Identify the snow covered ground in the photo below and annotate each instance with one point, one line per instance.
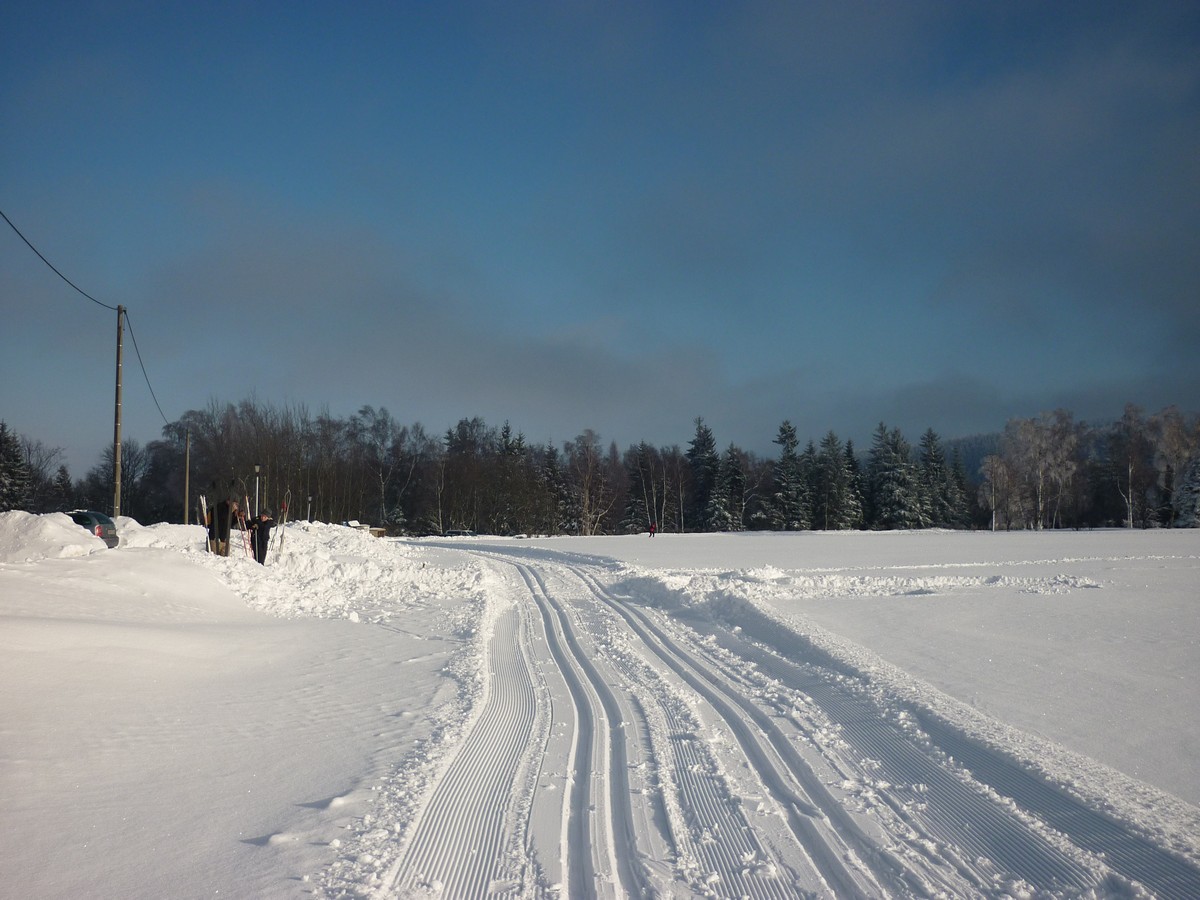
(913, 714)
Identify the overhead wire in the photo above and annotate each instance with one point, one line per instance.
(51, 265)
(138, 352)
(117, 309)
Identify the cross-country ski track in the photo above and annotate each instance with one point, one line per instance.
(623, 748)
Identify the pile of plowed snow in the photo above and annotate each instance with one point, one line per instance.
(26, 538)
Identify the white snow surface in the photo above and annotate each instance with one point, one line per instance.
(175, 724)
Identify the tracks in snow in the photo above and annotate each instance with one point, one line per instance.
(528, 810)
(462, 846)
(620, 751)
(997, 816)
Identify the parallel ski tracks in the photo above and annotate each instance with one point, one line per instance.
(717, 848)
(988, 832)
(848, 861)
(980, 838)
(651, 805)
(612, 837)
(470, 840)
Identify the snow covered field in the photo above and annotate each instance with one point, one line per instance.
(710, 715)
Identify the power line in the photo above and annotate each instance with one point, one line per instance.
(51, 265)
(115, 309)
(136, 350)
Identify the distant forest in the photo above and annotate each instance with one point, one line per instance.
(1050, 471)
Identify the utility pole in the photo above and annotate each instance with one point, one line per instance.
(117, 415)
(187, 474)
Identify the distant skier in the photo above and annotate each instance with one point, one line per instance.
(653, 529)
(260, 535)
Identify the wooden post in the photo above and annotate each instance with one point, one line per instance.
(117, 416)
(187, 475)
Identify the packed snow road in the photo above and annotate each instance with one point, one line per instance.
(621, 747)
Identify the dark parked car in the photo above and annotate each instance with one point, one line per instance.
(98, 524)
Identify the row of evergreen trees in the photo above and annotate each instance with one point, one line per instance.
(822, 487)
(1045, 472)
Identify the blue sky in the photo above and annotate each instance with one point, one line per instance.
(616, 216)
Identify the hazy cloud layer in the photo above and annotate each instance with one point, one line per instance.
(618, 217)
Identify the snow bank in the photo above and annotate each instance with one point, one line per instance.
(161, 536)
(26, 538)
(318, 570)
(183, 725)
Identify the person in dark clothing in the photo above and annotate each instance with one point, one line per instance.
(218, 528)
(210, 523)
(260, 535)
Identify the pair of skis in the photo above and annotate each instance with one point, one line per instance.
(283, 517)
(211, 545)
(241, 516)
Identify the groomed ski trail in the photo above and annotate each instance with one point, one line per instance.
(462, 845)
(524, 806)
(622, 750)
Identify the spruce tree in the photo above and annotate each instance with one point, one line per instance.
(705, 464)
(789, 497)
(808, 474)
(724, 511)
(717, 516)
(62, 490)
(1187, 496)
(935, 481)
(871, 476)
(637, 515)
(960, 498)
(15, 479)
(833, 500)
(854, 471)
(893, 487)
(560, 517)
(735, 486)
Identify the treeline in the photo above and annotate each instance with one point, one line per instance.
(1045, 472)
(1053, 472)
